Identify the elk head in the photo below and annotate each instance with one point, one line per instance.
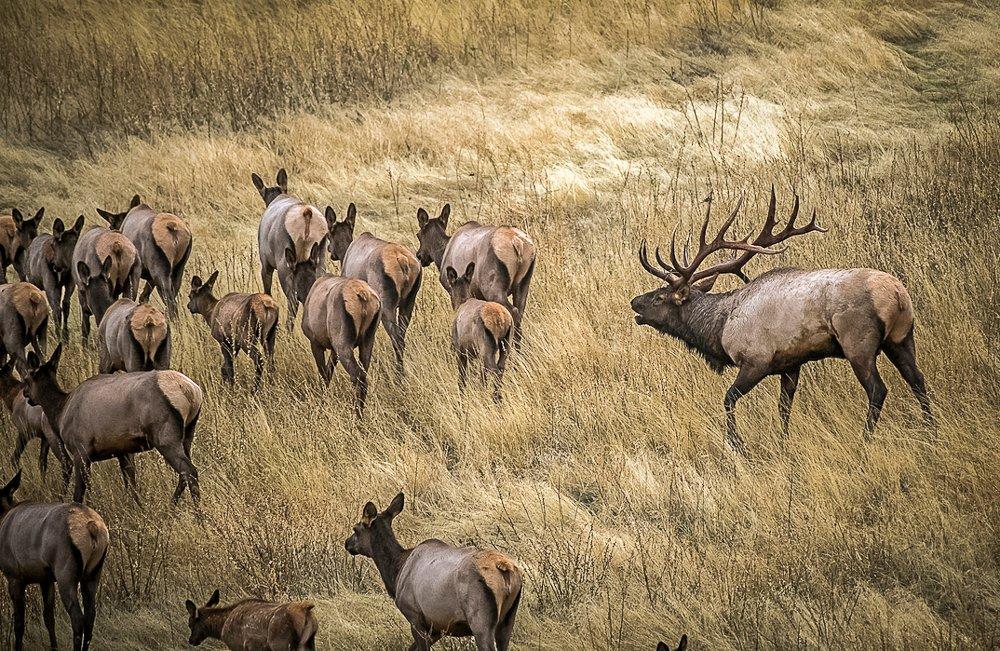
(304, 272)
(269, 194)
(432, 236)
(373, 528)
(65, 241)
(7, 494)
(341, 233)
(461, 286)
(27, 229)
(40, 378)
(681, 646)
(201, 300)
(196, 620)
(96, 285)
(115, 219)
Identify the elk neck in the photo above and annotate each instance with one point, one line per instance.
(52, 399)
(700, 325)
(214, 619)
(8, 391)
(389, 557)
(207, 308)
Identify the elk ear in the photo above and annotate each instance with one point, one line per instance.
(211, 279)
(662, 646)
(445, 213)
(78, 226)
(213, 600)
(106, 267)
(58, 227)
(282, 180)
(106, 216)
(707, 284)
(368, 513)
(684, 643)
(422, 217)
(680, 295)
(395, 507)
(451, 275)
(290, 258)
(196, 282)
(32, 361)
(257, 182)
(38, 215)
(316, 251)
(331, 217)
(7, 367)
(53, 362)
(469, 271)
(352, 213)
(135, 202)
(12, 485)
(83, 271)
(191, 608)
(18, 217)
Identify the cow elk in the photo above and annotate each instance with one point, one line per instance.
(441, 590)
(339, 315)
(105, 267)
(389, 268)
(117, 416)
(49, 265)
(58, 547)
(783, 319)
(133, 337)
(16, 234)
(24, 319)
(239, 322)
(291, 238)
(504, 258)
(29, 422)
(481, 329)
(681, 646)
(163, 242)
(254, 624)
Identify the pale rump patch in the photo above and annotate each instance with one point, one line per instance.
(89, 534)
(8, 231)
(149, 327)
(172, 236)
(264, 308)
(400, 266)
(122, 253)
(29, 301)
(892, 304)
(182, 393)
(497, 570)
(306, 226)
(303, 620)
(361, 303)
(515, 250)
(497, 320)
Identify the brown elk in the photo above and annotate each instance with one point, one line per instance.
(105, 267)
(133, 337)
(24, 318)
(56, 546)
(681, 646)
(16, 234)
(783, 319)
(504, 257)
(49, 265)
(389, 268)
(441, 590)
(254, 625)
(339, 315)
(481, 329)
(29, 422)
(239, 322)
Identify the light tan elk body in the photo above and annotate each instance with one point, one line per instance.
(16, 234)
(24, 318)
(116, 416)
(56, 546)
(481, 330)
(291, 238)
(504, 258)
(441, 590)
(389, 268)
(254, 625)
(163, 242)
(29, 422)
(49, 265)
(105, 268)
(239, 322)
(133, 337)
(783, 319)
(341, 314)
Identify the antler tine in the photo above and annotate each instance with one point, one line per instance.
(668, 267)
(684, 252)
(644, 261)
(673, 252)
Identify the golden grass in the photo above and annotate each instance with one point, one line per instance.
(604, 472)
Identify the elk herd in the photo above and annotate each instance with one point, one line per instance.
(771, 325)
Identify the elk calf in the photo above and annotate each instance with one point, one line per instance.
(481, 329)
(389, 268)
(254, 625)
(133, 337)
(290, 239)
(504, 257)
(163, 242)
(29, 422)
(339, 315)
(441, 590)
(16, 234)
(57, 546)
(105, 267)
(239, 322)
(24, 318)
(116, 416)
(49, 265)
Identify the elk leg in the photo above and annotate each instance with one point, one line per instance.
(463, 370)
(520, 302)
(147, 291)
(66, 303)
(65, 579)
(49, 610)
(405, 314)
(88, 589)
(904, 357)
(746, 379)
(43, 456)
(491, 370)
(126, 463)
(293, 303)
(52, 294)
(269, 347)
(176, 458)
(359, 378)
(390, 323)
(324, 367)
(258, 363)
(789, 382)
(23, 437)
(228, 370)
(506, 628)
(422, 638)
(81, 468)
(84, 323)
(266, 276)
(16, 589)
(867, 374)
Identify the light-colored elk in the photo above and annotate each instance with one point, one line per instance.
(24, 318)
(504, 258)
(49, 265)
(57, 547)
(389, 268)
(783, 319)
(133, 337)
(16, 234)
(105, 268)
(442, 590)
(254, 624)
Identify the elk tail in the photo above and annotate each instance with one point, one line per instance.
(89, 536)
(305, 624)
(172, 236)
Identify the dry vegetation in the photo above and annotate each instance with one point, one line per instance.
(591, 125)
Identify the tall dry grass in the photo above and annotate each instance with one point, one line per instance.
(604, 472)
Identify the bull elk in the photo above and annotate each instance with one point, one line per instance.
(339, 315)
(56, 546)
(239, 322)
(389, 268)
(133, 337)
(105, 267)
(163, 242)
(481, 329)
(783, 319)
(291, 238)
(254, 624)
(441, 590)
(29, 422)
(49, 265)
(24, 319)
(16, 234)
(504, 257)
(117, 416)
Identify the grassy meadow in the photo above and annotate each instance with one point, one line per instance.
(591, 125)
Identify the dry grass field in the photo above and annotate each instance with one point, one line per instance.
(591, 125)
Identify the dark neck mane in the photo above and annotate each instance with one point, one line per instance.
(700, 327)
(52, 400)
(214, 619)
(389, 557)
